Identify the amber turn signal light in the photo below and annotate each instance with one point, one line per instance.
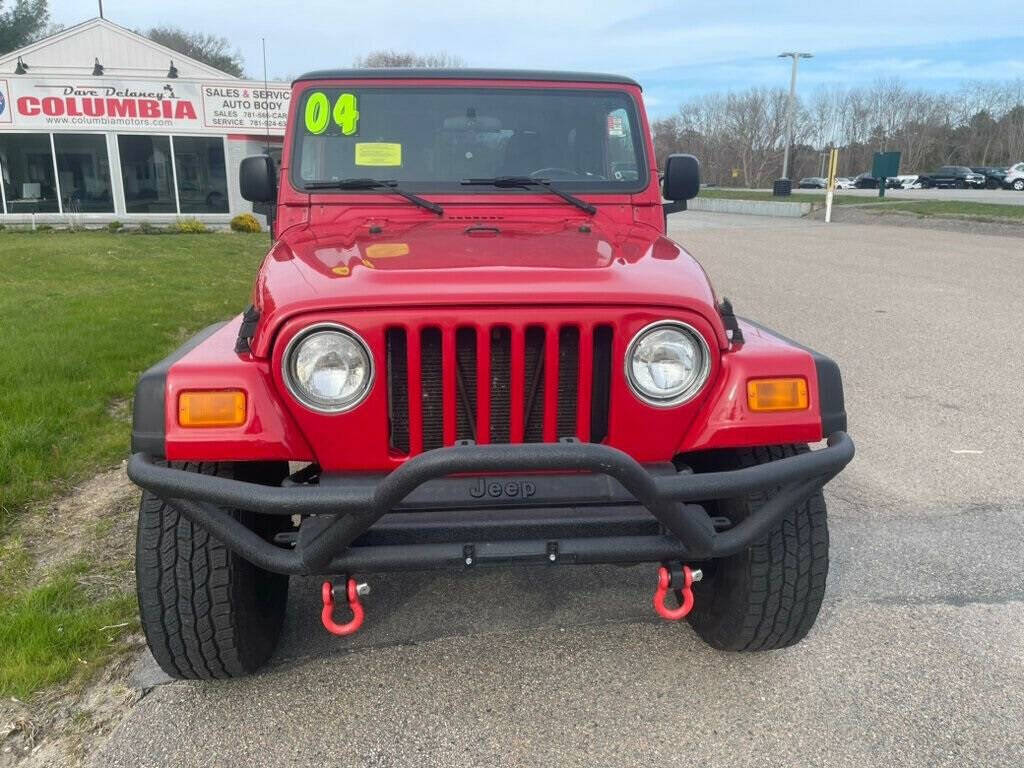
(789, 394)
(206, 408)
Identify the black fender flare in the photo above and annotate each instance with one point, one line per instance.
(149, 405)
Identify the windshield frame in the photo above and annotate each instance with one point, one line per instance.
(450, 188)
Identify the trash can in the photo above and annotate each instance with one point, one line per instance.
(782, 187)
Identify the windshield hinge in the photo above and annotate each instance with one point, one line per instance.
(730, 322)
(250, 320)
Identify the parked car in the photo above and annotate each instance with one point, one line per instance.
(465, 385)
(813, 182)
(867, 181)
(842, 182)
(1015, 177)
(994, 175)
(958, 176)
(909, 182)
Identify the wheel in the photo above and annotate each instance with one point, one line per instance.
(991, 184)
(960, 184)
(768, 596)
(206, 612)
(926, 184)
(1018, 185)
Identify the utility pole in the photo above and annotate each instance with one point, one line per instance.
(792, 105)
(101, 8)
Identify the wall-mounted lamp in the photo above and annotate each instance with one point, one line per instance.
(97, 69)
(22, 67)
(173, 71)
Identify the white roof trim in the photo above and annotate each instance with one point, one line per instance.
(117, 29)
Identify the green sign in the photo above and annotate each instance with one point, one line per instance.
(886, 165)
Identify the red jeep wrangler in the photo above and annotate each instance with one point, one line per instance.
(471, 343)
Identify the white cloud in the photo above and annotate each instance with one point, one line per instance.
(646, 39)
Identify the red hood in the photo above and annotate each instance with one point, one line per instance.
(478, 262)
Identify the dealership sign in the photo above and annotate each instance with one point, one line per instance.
(5, 112)
(57, 104)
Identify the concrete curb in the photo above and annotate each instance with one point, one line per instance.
(749, 207)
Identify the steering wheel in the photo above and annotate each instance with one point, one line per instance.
(561, 174)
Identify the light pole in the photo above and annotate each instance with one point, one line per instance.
(792, 99)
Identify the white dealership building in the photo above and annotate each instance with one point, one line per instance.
(98, 123)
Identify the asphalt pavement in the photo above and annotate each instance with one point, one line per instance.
(916, 660)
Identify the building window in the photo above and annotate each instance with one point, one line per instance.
(202, 176)
(26, 169)
(147, 174)
(83, 168)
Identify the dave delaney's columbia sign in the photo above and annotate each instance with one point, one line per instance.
(108, 101)
(51, 103)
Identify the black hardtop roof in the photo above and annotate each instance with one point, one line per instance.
(423, 73)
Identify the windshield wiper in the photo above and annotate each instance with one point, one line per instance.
(390, 184)
(529, 181)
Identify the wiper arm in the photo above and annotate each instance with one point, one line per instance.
(390, 184)
(529, 181)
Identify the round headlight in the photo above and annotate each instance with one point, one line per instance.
(328, 368)
(667, 363)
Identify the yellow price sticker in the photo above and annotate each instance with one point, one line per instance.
(378, 154)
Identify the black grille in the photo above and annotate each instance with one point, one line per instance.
(501, 385)
(430, 377)
(568, 380)
(464, 401)
(600, 394)
(465, 384)
(533, 410)
(398, 390)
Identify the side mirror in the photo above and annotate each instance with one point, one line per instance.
(682, 178)
(257, 179)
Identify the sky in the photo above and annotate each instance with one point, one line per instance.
(676, 49)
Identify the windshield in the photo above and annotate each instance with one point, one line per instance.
(433, 139)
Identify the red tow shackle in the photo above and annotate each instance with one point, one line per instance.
(684, 591)
(353, 591)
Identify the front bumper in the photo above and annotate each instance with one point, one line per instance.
(361, 525)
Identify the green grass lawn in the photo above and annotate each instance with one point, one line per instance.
(83, 313)
(957, 209)
(797, 197)
(949, 209)
(59, 629)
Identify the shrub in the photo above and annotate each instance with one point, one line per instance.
(145, 228)
(115, 226)
(245, 222)
(189, 226)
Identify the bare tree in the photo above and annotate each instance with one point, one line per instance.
(739, 135)
(209, 49)
(387, 58)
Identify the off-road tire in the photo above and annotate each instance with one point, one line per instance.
(206, 612)
(768, 596)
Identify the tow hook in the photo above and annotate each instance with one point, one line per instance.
(353, 592)
(680, 578)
